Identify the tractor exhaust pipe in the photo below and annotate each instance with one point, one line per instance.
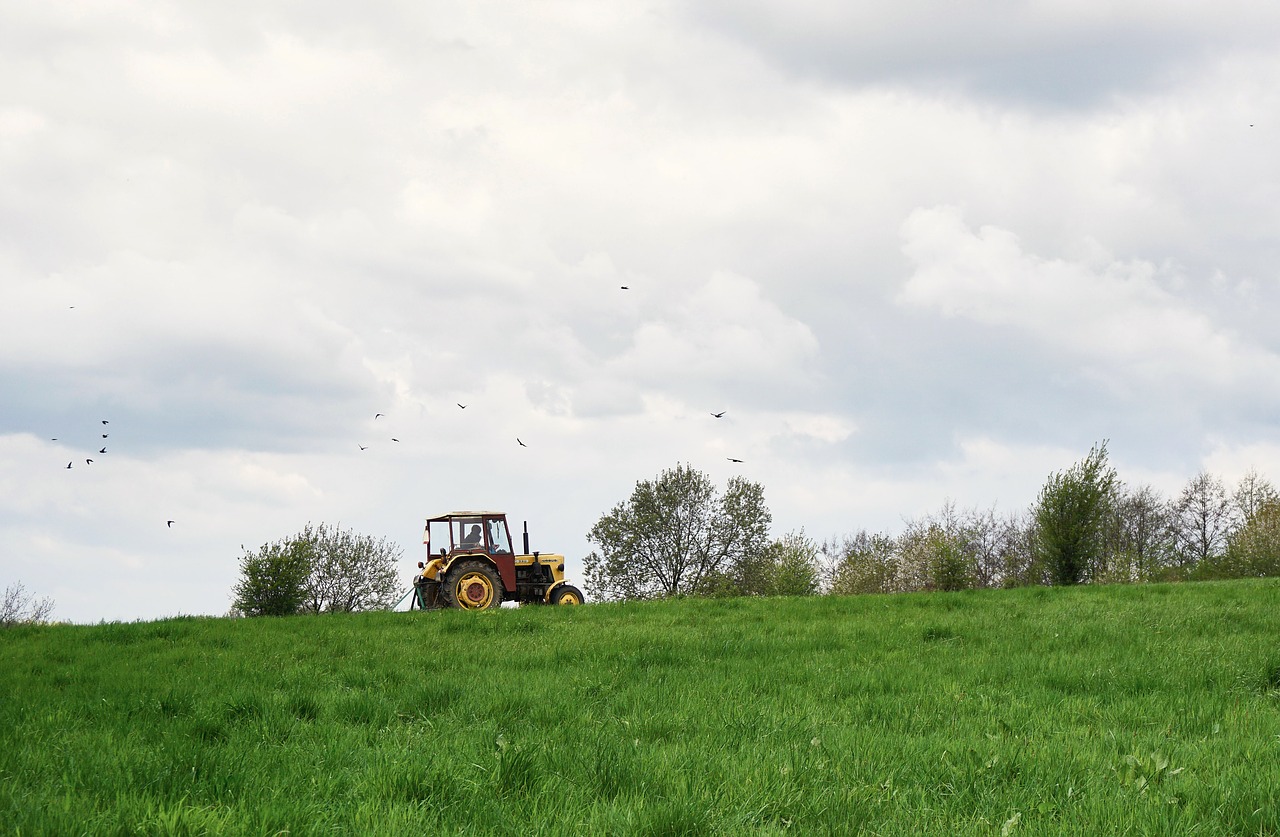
(526, 537)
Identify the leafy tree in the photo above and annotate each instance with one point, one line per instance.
(935, 554)
(1070, 514)
(868, 563)
(1253, 550)
(22, 608)
(273, 579)
(676, 536)
(787, 567)
(795, 565)
(349, 572)
(321, 569)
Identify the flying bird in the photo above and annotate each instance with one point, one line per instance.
(104, 421)
(394, 439)
(68, 466)
(463, 406)
(88, 462)
(169, 523)
(522, 444)
(104, 435)
(626, 287)
(104, 450)
(377, 416)
(364, 447)
(720, 414)
(731, 459)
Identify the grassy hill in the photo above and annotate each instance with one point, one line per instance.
(1117, 710)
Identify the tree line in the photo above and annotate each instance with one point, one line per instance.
(677, 536)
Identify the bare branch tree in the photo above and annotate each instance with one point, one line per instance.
(1203, 519)
(22, 608)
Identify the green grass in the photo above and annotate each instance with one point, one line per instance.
(1093, 710)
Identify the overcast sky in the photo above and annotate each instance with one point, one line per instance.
(915, 251)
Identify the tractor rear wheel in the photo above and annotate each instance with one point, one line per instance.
(472, 585)
(566, 594)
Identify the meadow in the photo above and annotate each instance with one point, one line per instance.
(1089, 710)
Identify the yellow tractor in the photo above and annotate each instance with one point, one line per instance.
(476, 568)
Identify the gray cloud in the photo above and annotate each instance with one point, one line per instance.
(1053, 54)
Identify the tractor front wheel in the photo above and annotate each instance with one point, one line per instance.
(473, 585)
(566, 594)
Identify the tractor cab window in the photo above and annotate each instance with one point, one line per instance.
(498, 535)
(467, 533)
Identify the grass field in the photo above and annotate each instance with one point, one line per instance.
(1092, 710)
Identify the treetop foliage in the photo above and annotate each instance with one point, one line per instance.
(676, 535)
(1070, 514)
(322, 569)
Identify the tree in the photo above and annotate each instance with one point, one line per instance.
(1252, 493)
(273, 579)
(22, 608)
(677, 536)
(1069, 515)
(868, 563)
(1253, 550)
(1203, 518)
(349, 572)
(322, 569)
(787, 567)
(1142, 536)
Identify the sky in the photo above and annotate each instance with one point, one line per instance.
(917, 253)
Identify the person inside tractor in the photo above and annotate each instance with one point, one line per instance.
(474, 538)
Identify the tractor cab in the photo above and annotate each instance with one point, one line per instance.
(471, 564)
(469, 532)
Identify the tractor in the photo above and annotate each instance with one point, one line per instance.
(476, 568)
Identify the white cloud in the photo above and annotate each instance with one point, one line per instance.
(1119, 314)
(727, 331)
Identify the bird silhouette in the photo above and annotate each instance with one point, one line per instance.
(104, 435)
(377, 416)
(720, 414)
(522, 444)
(394, 439)
(68, 466)
(625, 288)
(104, 450)
(463, 406)
(88, 462)
(363, 447)
(104, 421)
(169, 523)
(731, 459)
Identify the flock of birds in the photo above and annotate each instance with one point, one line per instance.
(102, 451)
(169, 523)
(462, 406)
